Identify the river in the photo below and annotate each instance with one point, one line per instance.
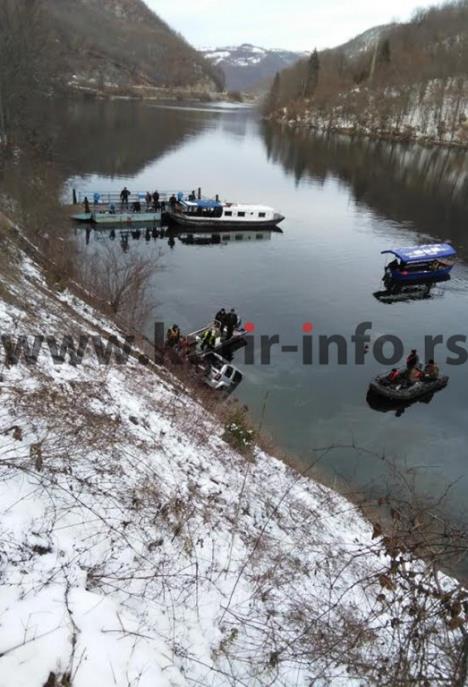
(345, 201)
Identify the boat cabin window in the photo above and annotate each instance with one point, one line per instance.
(241, 214)
(259, 236)
(228, 372)
(204, 212)
(262, 214)
(228, 213)
(239, 237)
(237, 377)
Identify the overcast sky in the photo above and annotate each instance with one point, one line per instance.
(293, 24)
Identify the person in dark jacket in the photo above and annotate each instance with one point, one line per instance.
(124, 196)
(412, 360)
(221, 318)
(231, 323)
(173, 202)
(156, 200)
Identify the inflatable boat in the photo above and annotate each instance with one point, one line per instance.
(400, 392)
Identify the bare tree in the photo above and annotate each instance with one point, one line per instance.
(26, 62)
(122, 283)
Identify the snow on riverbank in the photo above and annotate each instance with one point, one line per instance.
(432, 113)
(138, 549)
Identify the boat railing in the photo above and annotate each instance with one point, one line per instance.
(106, 199)
(193, 336)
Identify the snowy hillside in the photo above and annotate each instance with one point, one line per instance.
(247, 65)
(435, 112)
(137, 548)
(404, 81)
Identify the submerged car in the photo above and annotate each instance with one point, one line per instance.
(222, 375)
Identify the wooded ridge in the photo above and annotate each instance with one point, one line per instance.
(410, 82)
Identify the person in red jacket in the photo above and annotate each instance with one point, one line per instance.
(394, 376)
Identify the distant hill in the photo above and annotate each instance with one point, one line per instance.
(122, 43)
(364, 41)
(245, 66)
(406, 80)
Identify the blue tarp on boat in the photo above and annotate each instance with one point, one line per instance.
(415, 254)
(203, 204)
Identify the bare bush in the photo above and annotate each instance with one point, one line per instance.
(122, 285)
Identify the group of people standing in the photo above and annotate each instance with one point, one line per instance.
(227, 322)
(222, 329)
(414, 371)
(152, 201)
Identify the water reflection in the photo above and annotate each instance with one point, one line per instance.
(396, 292)
(386, 405)
(119, 139)
(146, 234)
(225, 237)
(425, 187)
(152, 232)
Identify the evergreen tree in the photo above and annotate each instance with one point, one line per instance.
(313, 74)
(385, 53)
(273, 98)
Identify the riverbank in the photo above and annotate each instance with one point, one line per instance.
(172, 556)
(159, 94)
(408, 134)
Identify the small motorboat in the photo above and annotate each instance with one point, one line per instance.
(221, 344)
(223, 216)
(404, 393)
(430, 262)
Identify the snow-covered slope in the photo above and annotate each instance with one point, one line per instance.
(137, 548)
(433, 112)
(247, 65)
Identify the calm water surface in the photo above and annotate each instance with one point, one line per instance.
(345, 201)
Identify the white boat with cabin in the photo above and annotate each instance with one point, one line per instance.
(222, 216)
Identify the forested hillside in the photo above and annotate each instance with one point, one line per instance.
(412, 82)
(121, 42)
(46, 45)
